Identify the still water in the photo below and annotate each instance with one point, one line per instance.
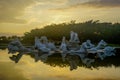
(28, 69)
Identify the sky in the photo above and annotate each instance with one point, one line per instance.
(20, 16)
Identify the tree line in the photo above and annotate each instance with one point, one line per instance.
(93, 30)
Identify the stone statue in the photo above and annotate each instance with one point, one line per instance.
(107, 51)
(43, 49)
(51, 45)
(100, 45)
(89, 44)
(16, 46)
(74, 37)
(44, 39)
(63, 45)
(40, 46)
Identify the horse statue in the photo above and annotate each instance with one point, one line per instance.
(88, 44)
(107, 51)
(100, 45)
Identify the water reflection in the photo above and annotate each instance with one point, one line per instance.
(73, 61)
(55, 69)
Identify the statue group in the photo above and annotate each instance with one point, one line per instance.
(44, 48)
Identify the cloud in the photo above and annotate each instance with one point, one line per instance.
(12, 9)
(103, 3)
(72, 4)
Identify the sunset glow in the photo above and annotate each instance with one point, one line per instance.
(20, 16)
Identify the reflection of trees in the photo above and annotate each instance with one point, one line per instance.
(56, 60)
(74, 60)
(107, 62)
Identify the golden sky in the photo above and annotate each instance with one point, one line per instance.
(19, 16)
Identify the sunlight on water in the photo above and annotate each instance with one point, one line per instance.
(28, 69)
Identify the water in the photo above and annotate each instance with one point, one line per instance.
(54, 69)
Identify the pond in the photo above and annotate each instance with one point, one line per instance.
(55, 69)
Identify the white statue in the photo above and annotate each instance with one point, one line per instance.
(44, 39)
(89, 44)
(74, 37)
(51, 45)
(63, 48)
(16, 46)
(40, 46)
(100, 45)
(43, 47)
(63, 45)
(107, 51)
(82, 53)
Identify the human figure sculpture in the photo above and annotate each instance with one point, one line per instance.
(82, 53)
(74, 37)
(40, 46)
(16, 46)
(45, 49)
(89, 44)
(44, 40)
(63, 45)
(63, 48)
(51, 45)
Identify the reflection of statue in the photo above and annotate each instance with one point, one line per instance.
(42, 56)
(17, 57)
(16, 46)
(63, 47)
(83, 55)
(73, 60)
(74, 37)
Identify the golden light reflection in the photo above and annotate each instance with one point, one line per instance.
(40, 71)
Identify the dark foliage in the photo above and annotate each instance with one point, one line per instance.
(93, 30)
